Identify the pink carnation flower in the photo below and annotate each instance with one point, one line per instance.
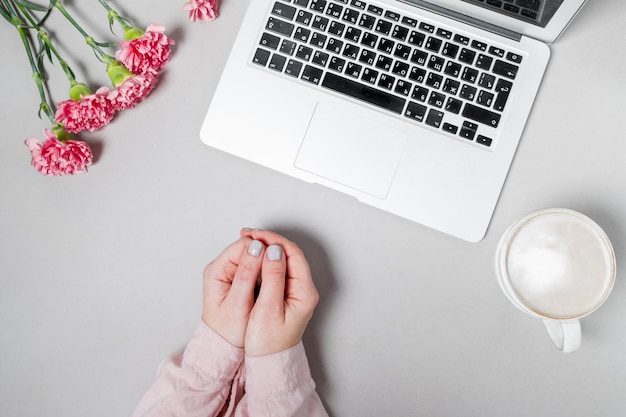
(92, 112)
(54, 157)
(204, 10)
(133, 90)
(151, 51)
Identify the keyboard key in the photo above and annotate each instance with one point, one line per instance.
(417, 74)
(403, 87)
(375, 9)
(312, 74)
(383, 26)
(409, 21)
(451, 86)
(288, 47)
(334, 10)
(402, 51)
(503, 89)
(367, 57)
(269, 41)
(483, 140)
(351, 16)
(362, 92)
(450, 50)
(304, 17)
(470, 75)
(419, 57)
(280, 26)
(434, 80)
(420, 93)
(320, 23)
(369, 39)
(277, 63)
(505, 69)
(461, 39)
(468, 92)
(386, 45)
(437, 99)
(416, 38)
(304, 52)
(514, 57)
(400, 68)
(284, 10)
(334, 45)
(400, 33)
(351, 51)
(427, 27)
(415, 111)
(261, 56)
(436, 63)
(320, 58)
(384, 62)
(353, 70)
(303, 3)
(481, 115)
(486, 81)
(479, 45)
(467, 56)
(369, 75)
(450, 128)
(293, 68)
(336, 28)
(434, 118)
(353, 34)
(358, 4)
(386, 81)
(452, 69)
(454, 105)
(302, 34)
(433, 44)
(392, 15)
(367, 21)
(484, 62)
(468, 130)
(318, 40)
(337, 64)
(318, 5)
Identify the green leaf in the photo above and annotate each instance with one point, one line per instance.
(31, 6)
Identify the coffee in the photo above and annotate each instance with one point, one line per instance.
(559, 266)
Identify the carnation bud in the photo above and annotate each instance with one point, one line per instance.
(132, 32)
(61, 134)
(78, 90)
(117, 72)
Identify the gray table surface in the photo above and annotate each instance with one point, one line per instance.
(100, 274)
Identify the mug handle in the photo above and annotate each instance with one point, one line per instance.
(564, 333)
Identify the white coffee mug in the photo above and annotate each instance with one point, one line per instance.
(558, 265)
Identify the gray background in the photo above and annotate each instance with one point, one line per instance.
(100, 274)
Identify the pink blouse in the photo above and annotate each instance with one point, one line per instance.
(213, 378)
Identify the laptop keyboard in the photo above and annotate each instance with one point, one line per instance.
(418, 71)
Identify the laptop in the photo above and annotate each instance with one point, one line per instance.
(414, 107)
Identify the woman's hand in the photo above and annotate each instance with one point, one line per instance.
(287, 296)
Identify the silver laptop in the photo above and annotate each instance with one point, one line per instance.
(414, 107)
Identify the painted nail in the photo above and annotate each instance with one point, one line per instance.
(274, 253)
(255, 248)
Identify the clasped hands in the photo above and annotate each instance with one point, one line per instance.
(266, 263)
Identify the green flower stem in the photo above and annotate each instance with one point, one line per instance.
(96, 46)
(37, 75)
(113, 15)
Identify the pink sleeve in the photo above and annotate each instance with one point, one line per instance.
(280, 385)
(196, 382)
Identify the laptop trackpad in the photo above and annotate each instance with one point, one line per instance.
(348, 147)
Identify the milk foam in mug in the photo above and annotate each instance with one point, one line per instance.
(557, 265)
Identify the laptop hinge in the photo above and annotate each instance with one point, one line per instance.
(463, 18)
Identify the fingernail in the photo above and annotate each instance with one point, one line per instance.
(247, 229)
(255, 247)
(274, 253)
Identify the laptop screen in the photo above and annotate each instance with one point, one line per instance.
(544, 20)
(536, 12)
